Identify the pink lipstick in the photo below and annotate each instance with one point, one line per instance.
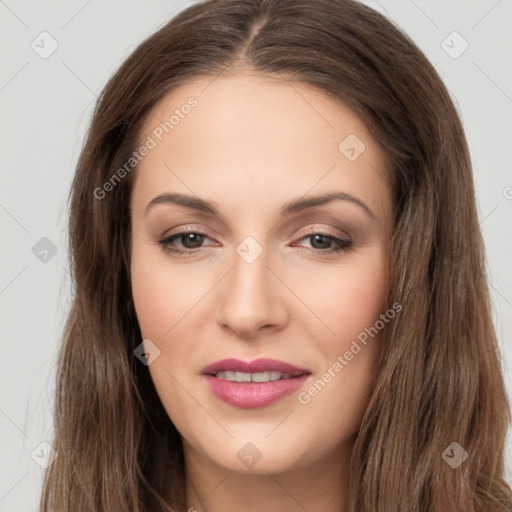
(255, 383)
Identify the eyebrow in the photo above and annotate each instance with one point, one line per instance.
(294, 206)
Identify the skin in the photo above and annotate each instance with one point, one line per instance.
(252, 144)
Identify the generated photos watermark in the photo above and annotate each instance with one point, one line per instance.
(151, 142)
(304, 397)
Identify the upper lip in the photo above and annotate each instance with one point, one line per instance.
(255, 366)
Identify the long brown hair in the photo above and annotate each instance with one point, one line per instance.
(439, 378)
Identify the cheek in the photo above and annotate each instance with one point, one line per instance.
(339, 393)
(361, 299)
(162, 294)
(347, 300)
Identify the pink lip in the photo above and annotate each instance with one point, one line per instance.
(258, 365)
(251, 395)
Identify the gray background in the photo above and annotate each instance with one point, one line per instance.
(46, 106)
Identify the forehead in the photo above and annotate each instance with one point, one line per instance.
(273, 110)
(247, 136)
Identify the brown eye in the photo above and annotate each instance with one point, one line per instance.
(323, 242)
(190, 240)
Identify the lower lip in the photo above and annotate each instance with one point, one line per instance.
(251, 395)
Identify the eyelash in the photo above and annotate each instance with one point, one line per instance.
(342, 244)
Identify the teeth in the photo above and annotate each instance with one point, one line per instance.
(251, 377)
(242, 377)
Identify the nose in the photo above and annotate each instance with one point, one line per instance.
(252, 299)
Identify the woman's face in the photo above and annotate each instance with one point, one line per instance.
(261, 269)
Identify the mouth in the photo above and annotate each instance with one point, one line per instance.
(253, 384)
(259, 368)
(252, 377)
